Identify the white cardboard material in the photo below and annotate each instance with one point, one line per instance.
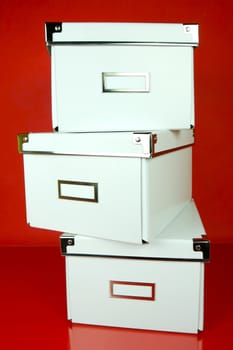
(122, 76)
(164, 292)
(81, 104)
(174, 242)
(120, 198)
(114, 144)
(151, 33)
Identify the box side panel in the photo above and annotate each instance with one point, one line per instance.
(79, 79)
(92, 196)
(54, 101)
(167, 188)
(170, 139)
(68, 265)
(202, 293)
(135, 294)
(192, 88)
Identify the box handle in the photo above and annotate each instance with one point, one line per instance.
(132, 290)
(125, 82)
(78, 191)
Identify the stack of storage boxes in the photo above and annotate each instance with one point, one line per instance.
(116, 175)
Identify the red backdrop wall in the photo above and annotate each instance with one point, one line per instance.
(26, 101)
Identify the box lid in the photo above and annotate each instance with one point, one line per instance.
(183, 239)
(123, 33)
(120, 144)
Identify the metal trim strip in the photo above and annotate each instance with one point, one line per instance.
(120, 43)
(105, 75)
(78, 183)
(126, 155)
(153, 153)
(134, 257)
(122, 296)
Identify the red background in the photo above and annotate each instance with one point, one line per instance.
(26, 100)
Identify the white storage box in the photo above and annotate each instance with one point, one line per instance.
(121, 76)
(156, 286)
(119, 186)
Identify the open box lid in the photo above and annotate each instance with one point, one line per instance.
(120, 144)
(60, 33)
(183, 239)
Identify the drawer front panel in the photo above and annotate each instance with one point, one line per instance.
(135, 293)
(123, 88)
(93, 196)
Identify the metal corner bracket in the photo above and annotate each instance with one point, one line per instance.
(22, 138)
(154, 140)
(52, 27)
(66, 240)
(147, 140)
(202, 245)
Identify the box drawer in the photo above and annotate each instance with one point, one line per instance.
(143, 294)
(125, 87)
(118, 198)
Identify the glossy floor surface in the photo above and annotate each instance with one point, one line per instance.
(33, 308)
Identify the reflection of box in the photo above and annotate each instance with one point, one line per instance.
(157, 286)
(84, 337)
(120, 186)
(119, 77)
